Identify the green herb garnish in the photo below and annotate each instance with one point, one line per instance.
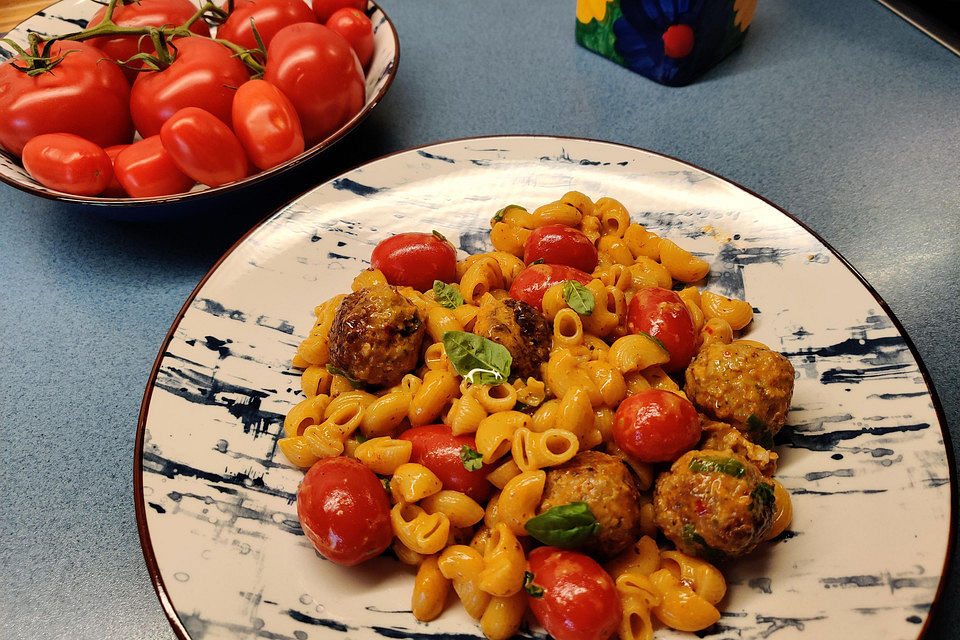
(657, 340)
(537, 261)
(692, 538)
(578, 297)
(472, 460)
(337, 371)
(761, 496)
(717, 464)
(498, 216)
(446, 295)
(478, 360)
(439, 235)
(567, 525)
(528, 586)
(759, 431)
(360, 438)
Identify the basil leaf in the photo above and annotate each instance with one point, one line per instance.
(717, 464)
(578, 297)
(567, 525)
(761, 495)
(692, 538)
(446, 295)
(478, 360)
(498, 216)
(657, 340)
(537, 261)
(759, 432)
(472, 461)
(337, 371)
(360, 438)
(528, 586)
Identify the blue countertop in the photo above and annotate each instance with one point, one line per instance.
(839, 112)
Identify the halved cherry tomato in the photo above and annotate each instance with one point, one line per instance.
(436, 448)
(654, 425)
(68, 163)
(203, 147)
(114, 189)
(145, 170)
(355, 26)
(323, 9)
(560, 244)
(531, 283)
(269, 15)
(579, 600)
(415, 260)
(344, 511)
(661, 313)
(266, 124)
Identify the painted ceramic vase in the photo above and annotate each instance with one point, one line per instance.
(669, 41)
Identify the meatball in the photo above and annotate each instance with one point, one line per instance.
(518, 327)
(713, 504)
(744, 385)
(605, 484)
(722, 437)
(376, 336)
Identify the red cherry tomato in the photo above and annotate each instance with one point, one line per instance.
(436, 448)
(661, 313)
(269, 15)
(415, 260)
(83, 95)
(68, 163)
(316, 68)
(204, 74)
(531, 283)
(656, 426)
(203, 147)
(560, 244)
(579, 600)
(323, 9)
(344, 511)
(145, 170)
(355, 26)
(114, 189)
(266, 124)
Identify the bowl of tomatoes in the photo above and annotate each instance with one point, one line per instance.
(153, 102)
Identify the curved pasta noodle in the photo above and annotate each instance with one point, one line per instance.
(461, 510)
(553, 447)
(682, 264)
(519, 500)
(417, 530)
(736, 312)
(503, 563)
(384, 455)
(430, 590)
(495, 434)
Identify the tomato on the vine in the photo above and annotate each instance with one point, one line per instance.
(203, 147)
(355, 26)
(268, 15)
(323, 9)
(266, 124)
(415, 260)
(654, 425)
(68, 163)
(146, 170)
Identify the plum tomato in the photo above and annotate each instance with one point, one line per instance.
(355, 26)
(204, 74)
(654, 425)
(266, 124)
(316, 68)
(560, 244)
(436, 448)
(145, 170)
(662, 314)
(531, 283)
(415, 260)
(344, 511)
(269, 15)
(84, 95)
(68, 163)
(579, 599)
(114, 189)
(204, 148)
(323, 9)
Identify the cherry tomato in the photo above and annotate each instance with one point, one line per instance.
(344, 511)
(83, 95)
(316, 68)
(204, 74)
(579, 600)
(114, 189)
(415, 260)
(323, 9)
(146, 170)
(203, 147)
(531, 283)
(266, 124)
(560, 244)
(654, 425)
(269, 15)
(68, 163)
(436, 448)
(355, 26)
(661, 313)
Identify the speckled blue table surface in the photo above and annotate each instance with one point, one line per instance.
(839, 112)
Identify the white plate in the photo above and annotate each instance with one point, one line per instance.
(863, 456)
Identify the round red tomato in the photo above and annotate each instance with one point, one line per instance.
(316, 68)
(656, 426)
(560, 244)
(266, 124)
(269, 15)
(145, 170)
(415, 260)
(323, 9)
(83, 95)
(68, 163)
(344, 511)
(662, 314)
(203, 147)
(114, 189)
(204, 74)
(579, 600)
(436, 448)
(531, 283)
(355, 26)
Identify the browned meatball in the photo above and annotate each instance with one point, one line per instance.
(521, 329)
(605, 484)
(713, 504)
(376, 335)
(744, 385)
(722, 437)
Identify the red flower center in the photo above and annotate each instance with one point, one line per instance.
(678, 41)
